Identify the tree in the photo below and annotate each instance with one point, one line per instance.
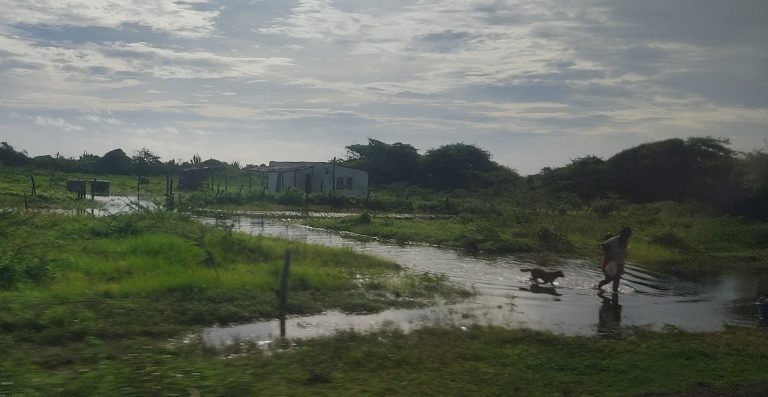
(753, 169)
(586, 176)
(9, 155)
(115, 162)
(196, 161)
(146, 163)
(385, 163)
(459, 165)
(675, 169)
(87, 162)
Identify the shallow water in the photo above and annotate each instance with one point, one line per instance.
(109, 205)
(505, 297)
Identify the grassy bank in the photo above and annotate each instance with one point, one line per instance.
(430, 362)
(669, 235)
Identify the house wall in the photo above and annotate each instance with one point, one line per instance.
(324, 178)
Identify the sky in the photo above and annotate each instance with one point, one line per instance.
(535, 83)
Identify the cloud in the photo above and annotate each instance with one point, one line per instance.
(109, 62)
(101, 120)
(706, 23)
(445, 41)
(182, 18)
(149, 131)
(319, 20)
(57, 123)
(418, 71)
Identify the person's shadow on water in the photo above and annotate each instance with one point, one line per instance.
(609, 315)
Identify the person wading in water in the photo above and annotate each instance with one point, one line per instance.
(614, 255)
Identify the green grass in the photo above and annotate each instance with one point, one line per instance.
(428, 362)
(182, 272)
(676, 237)
(97, 306)
(16, 187)
(665, 235)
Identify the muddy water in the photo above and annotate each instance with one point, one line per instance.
(505, 297)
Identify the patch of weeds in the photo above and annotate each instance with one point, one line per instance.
(365, 218)
(670, 239)
(551, 240)
(318, 376)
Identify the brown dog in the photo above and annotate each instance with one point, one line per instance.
(543, 275)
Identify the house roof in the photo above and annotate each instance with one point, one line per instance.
(288, 166)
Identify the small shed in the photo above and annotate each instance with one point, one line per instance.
(100, 187)
(316, 177)
(79, 186)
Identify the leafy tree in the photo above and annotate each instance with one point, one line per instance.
(87, 162)
(115, 162)
(213, 163)
(385, 163)
(754, 173)
(588, 177)
(459, 165)
(674, 169)
(9, 155)
(146, 163)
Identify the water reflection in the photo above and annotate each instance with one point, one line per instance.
(109, 205)
(609, 315)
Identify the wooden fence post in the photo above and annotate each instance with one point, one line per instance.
(283, 293)
(34, 188)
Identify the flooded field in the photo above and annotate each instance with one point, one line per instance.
(505, 297)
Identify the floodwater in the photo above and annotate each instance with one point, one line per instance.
(110, 205)
(505, 297)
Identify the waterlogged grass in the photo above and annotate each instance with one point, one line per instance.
(665, 234)
(88, 305)
(96, 307)
(154, 273)
(428, 362)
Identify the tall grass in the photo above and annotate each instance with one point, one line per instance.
(63, 278)
(665, 234)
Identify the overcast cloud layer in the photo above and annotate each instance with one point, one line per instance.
(537, 83)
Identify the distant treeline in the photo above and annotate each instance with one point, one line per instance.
(143, 162)
(694, 169)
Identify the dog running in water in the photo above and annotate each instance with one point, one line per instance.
(543, 275)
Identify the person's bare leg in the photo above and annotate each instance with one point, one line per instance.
(602, 283)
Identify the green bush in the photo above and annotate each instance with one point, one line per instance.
(291, 197)
(551, 240)
(670, 239)
(9, 276)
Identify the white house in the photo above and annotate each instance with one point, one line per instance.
(316, 177)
